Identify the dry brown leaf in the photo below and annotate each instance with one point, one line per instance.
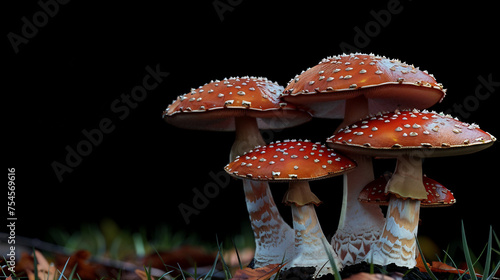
(45, 270)
(84, 268)
(142, 274)
(261, 273)
(440, 267)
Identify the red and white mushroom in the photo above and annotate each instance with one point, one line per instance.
(244, 105)
(297, 162)
(351, 87)
(437, 194)
(408, 136)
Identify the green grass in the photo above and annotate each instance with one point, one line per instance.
(110, 241)
(489, 269)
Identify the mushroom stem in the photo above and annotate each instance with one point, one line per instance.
(273, 236)
(407, 179)
(355, 109)
(360, 224)
(397, 242)
(309, 237)
(247, 137)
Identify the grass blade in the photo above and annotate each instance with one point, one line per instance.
(493, 272)
(73, 271)
(225, 267)
(496, 239)
(468, 258)
(182, 273)
(35, 265)
(237, 254)
(336, 273)
(211, 272)
(64, 268)
(372, 265)
(487, 265)
(455, 266)
(172, 267)
(427, 268)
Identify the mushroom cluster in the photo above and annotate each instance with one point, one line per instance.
(383, 103)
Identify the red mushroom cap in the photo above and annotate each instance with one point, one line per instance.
(437, 194)
(374, 192)
(401, 132)
(290, 160)
(388, 84)
(214, 105)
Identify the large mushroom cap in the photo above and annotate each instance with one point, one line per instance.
(290, 160)
(214, 106)
(437, 194)
(401, 132)
(388, 84)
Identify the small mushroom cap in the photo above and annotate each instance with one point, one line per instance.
(289, 160)
(388, 84)
(437, 194)
(403, 132)
(214, 106)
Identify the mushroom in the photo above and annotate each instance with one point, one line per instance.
(244, 105)
(297, 162)
(437, 194)
(351, 87)
(408, 136)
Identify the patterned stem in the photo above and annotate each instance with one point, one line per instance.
(309, 238)
(397, 242)
(360, 224)
(273, 236)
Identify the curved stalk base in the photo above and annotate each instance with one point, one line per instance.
(397, 243)
(360, 224)
(309, 238)
(274, 238)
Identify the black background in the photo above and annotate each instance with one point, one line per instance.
(65, 78)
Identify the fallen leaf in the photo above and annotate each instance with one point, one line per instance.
(142, 274)
(44, 269)
(84, 268)
(440, 267)
(261, 273)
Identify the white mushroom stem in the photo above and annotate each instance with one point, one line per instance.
(247, 137)
(309, 237)
(360, 224)
(397, 243)
(355, 109)
(273, 236)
